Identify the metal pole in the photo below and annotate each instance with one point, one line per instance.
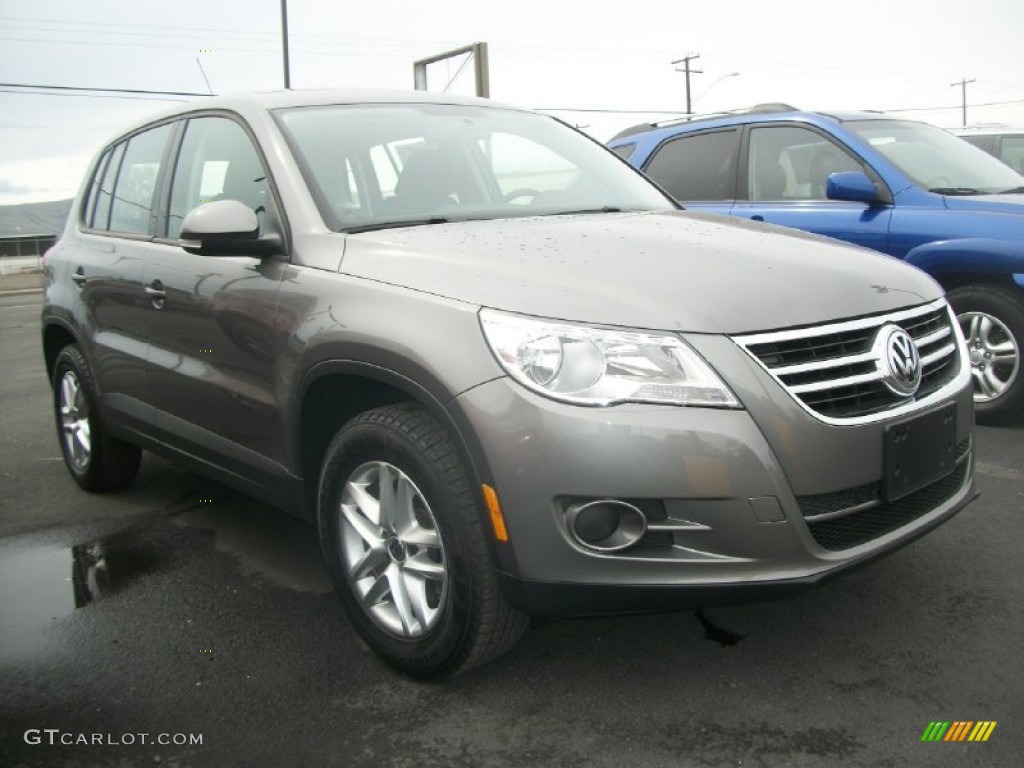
(284, 43)
(483, 70)
(685, 61)
(963, 97)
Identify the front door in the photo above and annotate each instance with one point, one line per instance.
(212, 329)
(786, 171)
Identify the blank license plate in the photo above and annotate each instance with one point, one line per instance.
(918, 452)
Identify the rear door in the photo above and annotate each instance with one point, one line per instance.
(116, 232)
(785, 171)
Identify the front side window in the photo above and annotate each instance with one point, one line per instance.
(396, 164)
(791, 163)
(132, 210)
(217, 161)
(697, 167)
(935, 159)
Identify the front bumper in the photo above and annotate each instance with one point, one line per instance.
(735, 495)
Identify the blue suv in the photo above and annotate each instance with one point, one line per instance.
(905, 188)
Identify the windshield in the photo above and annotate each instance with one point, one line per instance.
(382, 165)
(937, 160)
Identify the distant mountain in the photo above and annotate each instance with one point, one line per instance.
(34, 218)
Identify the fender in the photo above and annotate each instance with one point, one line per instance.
(976, 255)
(449, 414)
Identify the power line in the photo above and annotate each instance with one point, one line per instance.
(31, 89)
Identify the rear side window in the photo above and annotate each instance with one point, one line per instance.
(698, 167)
(132, 208)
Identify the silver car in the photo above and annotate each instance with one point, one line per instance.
(503, 373)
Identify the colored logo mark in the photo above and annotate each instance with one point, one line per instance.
(959, 730)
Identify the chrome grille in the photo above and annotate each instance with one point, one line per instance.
(834, 372)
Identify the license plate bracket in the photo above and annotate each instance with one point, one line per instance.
(918, 451)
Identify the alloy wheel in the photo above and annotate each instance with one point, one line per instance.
(994, 355)
(393, 555)
(74, 418)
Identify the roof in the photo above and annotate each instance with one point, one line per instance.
(30, 219)
(281, 99)
(988, 130)
(762, 113)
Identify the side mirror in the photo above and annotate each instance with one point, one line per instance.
(854, 186)
(226, 228)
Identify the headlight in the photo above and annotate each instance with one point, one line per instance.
(598, 366)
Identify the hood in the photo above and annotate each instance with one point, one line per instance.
(1013, 204)
(675, 270)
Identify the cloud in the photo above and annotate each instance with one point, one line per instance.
(34, 181)
(7, 187)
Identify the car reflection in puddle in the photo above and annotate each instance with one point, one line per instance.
(41, 585)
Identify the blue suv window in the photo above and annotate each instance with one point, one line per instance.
(698, 167)
(791, 163)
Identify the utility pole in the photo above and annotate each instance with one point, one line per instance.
(963, 90)
(685, 61)
(284, 41)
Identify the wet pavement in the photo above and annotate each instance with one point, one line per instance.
(179, 609)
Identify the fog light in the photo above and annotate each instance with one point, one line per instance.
(605, 525)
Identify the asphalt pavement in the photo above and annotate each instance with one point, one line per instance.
(212, 638)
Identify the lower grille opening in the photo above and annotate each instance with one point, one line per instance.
(861, 527)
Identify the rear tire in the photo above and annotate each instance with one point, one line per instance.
(406, 547)
(992, 319)
(97, 461)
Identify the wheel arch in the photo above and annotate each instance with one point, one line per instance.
(963, 261)
(56, 336)
(334, 391)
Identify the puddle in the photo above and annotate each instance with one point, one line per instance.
(43, 584)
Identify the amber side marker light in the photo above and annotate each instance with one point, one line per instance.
(494, 507)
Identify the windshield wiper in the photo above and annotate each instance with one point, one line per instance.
(603, 209)
(396, 224)
(956, 191)
(1011, 191)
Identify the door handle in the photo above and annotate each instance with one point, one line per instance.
(157, 294)
(79, 277)
(757, 217)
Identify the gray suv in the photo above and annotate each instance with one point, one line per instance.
(503, 373)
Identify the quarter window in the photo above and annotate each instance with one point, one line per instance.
(217, 162)
(100, 215)
(132, 208)
(698, 167)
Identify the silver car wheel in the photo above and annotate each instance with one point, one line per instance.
(994, 355)
(74, 418)
(393, 555)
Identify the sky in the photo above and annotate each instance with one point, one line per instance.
(602, 66)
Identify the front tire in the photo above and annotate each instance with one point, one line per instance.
(406, 547)
(992, 320)
(97, 461)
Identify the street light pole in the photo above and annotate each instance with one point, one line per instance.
(708, 89)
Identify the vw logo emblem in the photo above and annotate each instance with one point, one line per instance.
(898, 360)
